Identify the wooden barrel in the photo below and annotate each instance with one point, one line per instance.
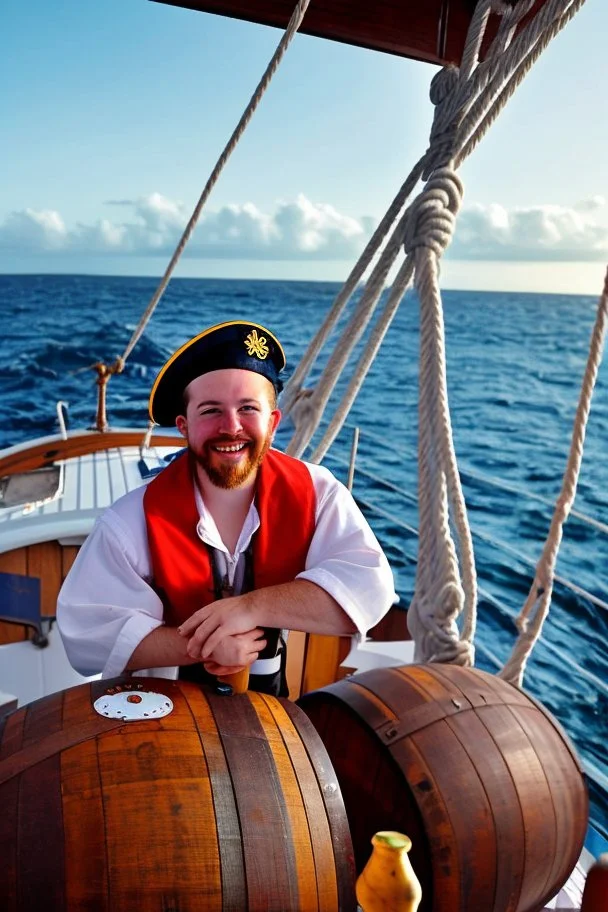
(476, 773)
(226, 803)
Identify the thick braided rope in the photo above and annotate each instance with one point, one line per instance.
(307, 408)
(480, 118)
(501, 60)
(307, 411)
(290, 31)
(440, 595)
(539, 599)
(310, 408)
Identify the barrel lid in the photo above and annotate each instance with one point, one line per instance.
(133, 705)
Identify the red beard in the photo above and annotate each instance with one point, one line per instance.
(222, 474)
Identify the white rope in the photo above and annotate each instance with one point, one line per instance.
(538, 602)
(290, 31)
(401, 283)
(440, 595)
(481, 117)
(467, 100)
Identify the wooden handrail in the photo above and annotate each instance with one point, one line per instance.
(46, 451)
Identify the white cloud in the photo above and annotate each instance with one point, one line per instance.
(30, 230)
(305, 230)
(296, 230)
(536, 233)
(592, 204)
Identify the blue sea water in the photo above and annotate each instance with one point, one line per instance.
(515, 363)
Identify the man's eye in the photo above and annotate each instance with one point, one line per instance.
(249, 408)
(209, 411)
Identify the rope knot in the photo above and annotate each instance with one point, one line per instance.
(443, 83)
(444, 129)
(432, 215)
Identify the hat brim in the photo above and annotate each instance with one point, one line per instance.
(236, 344)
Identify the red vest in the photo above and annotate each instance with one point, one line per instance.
(182, 574)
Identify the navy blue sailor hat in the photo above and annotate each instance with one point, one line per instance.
(236, 344)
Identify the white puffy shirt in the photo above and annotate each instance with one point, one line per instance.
(107, 605)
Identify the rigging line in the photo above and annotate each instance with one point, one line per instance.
(503, 546)
(398, 522)
(511, 614)
(514, 489)
(478, 120)
(489, 480)
(588, 675)
(412, 498)
(490, 74)
(564, 656)
(479, 647)
(290, 31)
(401, 282)
(497, 543)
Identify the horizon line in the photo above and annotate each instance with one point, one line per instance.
(337, 282)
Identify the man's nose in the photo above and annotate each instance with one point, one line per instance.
(231, 422)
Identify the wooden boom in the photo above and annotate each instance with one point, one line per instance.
(430, 30)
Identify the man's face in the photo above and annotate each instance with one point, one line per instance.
(229, 424)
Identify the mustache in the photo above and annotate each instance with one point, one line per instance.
(228, 438)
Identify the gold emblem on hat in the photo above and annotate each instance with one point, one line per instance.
(257, 345)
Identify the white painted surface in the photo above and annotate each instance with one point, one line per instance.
(91, 483)
(31, 673)
(379, 654)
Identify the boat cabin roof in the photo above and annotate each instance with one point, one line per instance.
(431, 30)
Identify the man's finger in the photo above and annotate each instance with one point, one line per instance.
(210, 642)
(199, 637)
(192, 622)
(196, 619)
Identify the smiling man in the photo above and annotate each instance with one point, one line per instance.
(232, 545)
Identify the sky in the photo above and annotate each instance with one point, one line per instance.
(113, 115)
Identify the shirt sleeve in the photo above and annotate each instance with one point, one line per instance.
(345, 558)
(106, 606)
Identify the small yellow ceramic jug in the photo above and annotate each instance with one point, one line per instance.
(387, 882)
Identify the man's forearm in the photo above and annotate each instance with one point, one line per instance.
(161, 648)
(299, 605)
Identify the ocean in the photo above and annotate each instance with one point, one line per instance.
(514, 363)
